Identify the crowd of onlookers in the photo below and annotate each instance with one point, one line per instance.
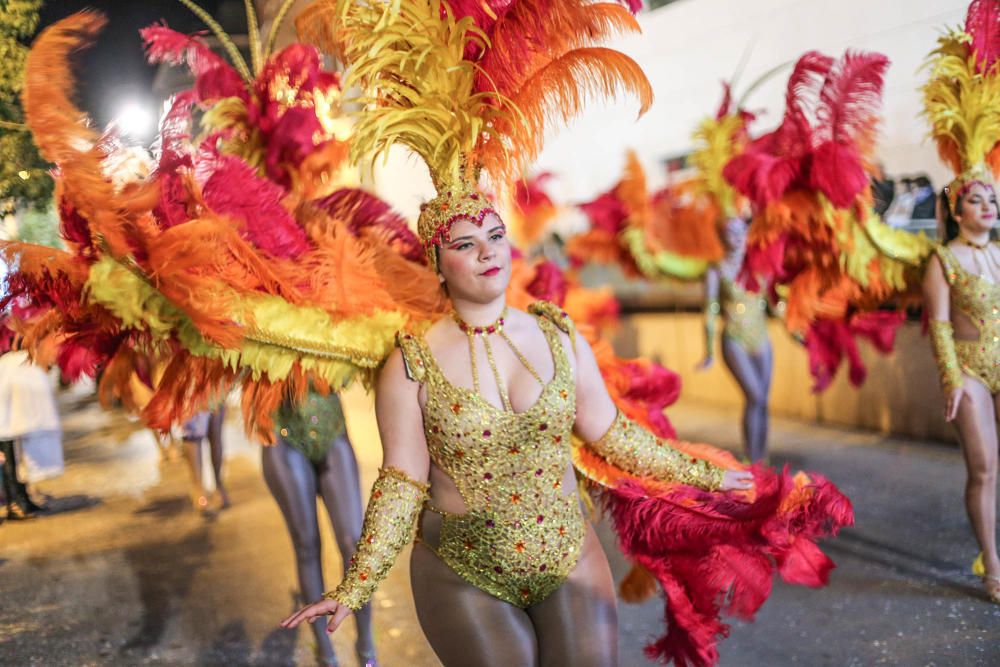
(901, 201)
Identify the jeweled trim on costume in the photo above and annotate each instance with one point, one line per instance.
(443, 228)
(520, 533)
(958, 187)
(390, 524)
(636, 450)
(467, 328)
(943, 344)
(328, 351)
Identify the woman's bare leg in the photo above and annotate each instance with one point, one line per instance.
(340, 488)
(763, 361)
(468, 627)
(755, 417)
(977, 429)
(291, 478)
(578, 624)
(215, 451)
(192, 454)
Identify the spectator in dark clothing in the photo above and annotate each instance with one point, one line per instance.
(924, 199)
(883, 190)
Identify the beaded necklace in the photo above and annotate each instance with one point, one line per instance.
(472, 332)
(987, 268)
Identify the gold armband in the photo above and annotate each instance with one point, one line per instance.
(943, 344)
(712, 310)
(390, 524)
(636, 450)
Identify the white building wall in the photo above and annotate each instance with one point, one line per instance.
(690, 46)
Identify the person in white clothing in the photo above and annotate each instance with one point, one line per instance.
(29, 431)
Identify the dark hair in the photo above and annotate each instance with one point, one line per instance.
(922, 181)
(950, 224)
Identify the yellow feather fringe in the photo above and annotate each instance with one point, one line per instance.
(280, 335)
(963, 107)
(717, 142)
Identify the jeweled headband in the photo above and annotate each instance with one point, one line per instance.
(958, 187)
(456, 202)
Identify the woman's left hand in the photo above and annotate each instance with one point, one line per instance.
(737, 480)
(325, 607)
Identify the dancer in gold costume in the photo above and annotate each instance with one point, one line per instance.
(962, 281)
(504, 550)
(746, 347)
(478, 413)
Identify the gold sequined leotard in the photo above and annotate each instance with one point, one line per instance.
(979, 300)
(744, 315)
(521, 535)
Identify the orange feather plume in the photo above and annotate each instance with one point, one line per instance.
(558, 91)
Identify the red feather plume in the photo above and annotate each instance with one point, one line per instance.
(216, 78)
(982, 23)
(846, 119)
(365, 212)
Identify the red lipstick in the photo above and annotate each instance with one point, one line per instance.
(491, 272)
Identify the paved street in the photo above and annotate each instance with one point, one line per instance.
(124, 572)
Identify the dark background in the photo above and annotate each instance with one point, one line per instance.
(114, 68)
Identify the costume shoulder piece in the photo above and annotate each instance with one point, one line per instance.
(948, 262)
(413, 356)
(554, 314)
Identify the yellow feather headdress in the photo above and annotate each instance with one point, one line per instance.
(471, 85)
(718, 140)
(962, 98)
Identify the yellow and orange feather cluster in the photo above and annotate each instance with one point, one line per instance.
(468, 89)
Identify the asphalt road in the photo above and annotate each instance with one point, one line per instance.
(124, 572)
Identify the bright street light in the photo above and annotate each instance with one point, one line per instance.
(135, 120)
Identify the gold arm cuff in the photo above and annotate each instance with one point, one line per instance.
(712, 310)
(636, 450)
(943, 343)
(390, 524)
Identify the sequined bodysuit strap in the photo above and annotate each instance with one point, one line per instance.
(521, 533)
(979, 300)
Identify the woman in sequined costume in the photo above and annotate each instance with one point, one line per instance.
(962, 280)
(313, 457)
(962, 291)
(746, 348)
(493, 585)
(506, 569)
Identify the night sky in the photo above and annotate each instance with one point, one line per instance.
(114, 68)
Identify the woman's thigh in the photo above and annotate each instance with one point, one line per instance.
(977, 429)
(578, 624)
(763, 362)
(468, 627)
(741, 365)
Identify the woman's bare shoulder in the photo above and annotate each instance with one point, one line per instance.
(394, 372)
(443, 337)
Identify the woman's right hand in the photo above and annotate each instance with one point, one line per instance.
(953, 401)
(325, 607)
